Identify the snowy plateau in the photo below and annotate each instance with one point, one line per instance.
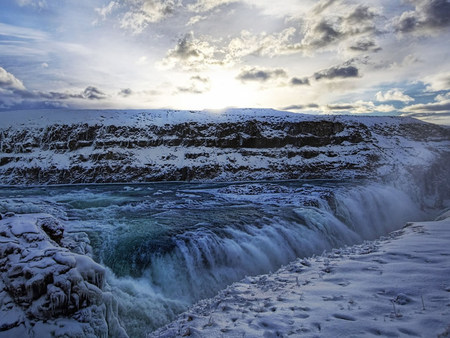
(238, 223)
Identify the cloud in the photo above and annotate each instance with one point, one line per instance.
(432, 107)
(9, 82)
(365, 46)
(201, 6)
(125, 92)
(436, 82)
(310, 106)
(295, 81)
(394, 94)
(13, 93)
(136, 15)
(197, 85)
(353, 23)
(260, 74)
(321, 6)
(322, 33)
(194, 19)
(337, 72)
(89, 93)
(442, 97)
(361, 13)
(340, 106)
(428, 16)
(434, 112)
(359, 107)
(263, 44)
(191, 53)
(92, 93)
(334, 22)
(107, 9)
(39, 4)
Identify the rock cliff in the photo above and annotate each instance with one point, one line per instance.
(234, 145)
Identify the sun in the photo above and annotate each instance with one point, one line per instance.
(223, 91)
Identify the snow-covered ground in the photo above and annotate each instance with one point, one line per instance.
(396, 286)
(160, 117)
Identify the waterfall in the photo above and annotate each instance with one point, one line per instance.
(166, 246)
(203, 260)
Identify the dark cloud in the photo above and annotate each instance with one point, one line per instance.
(52, 95)
(324, 33)
(428, 15)
(200, 79)
(365, 46)
(125, 92)
(295, 81)
(260, 74)
(407, 22)
(197, 85)
(340, 107)
(360, 14)
(92, 93)
(439, 118)
(321, 6)
(301, 106)
(185, 48)
(430, 107)
(325, 29)
(337, 72)
(14, 95)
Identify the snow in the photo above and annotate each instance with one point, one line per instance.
(47, 117)
(395, 286)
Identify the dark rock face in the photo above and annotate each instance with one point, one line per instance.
(246, 150)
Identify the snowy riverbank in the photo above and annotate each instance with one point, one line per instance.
(395, 286)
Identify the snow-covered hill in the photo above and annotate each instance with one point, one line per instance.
(57, 146)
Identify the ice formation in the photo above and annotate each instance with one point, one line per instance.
(47, 290)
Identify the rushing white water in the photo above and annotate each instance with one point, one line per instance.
(169, 245)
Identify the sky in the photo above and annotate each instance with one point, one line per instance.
(382, 57)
